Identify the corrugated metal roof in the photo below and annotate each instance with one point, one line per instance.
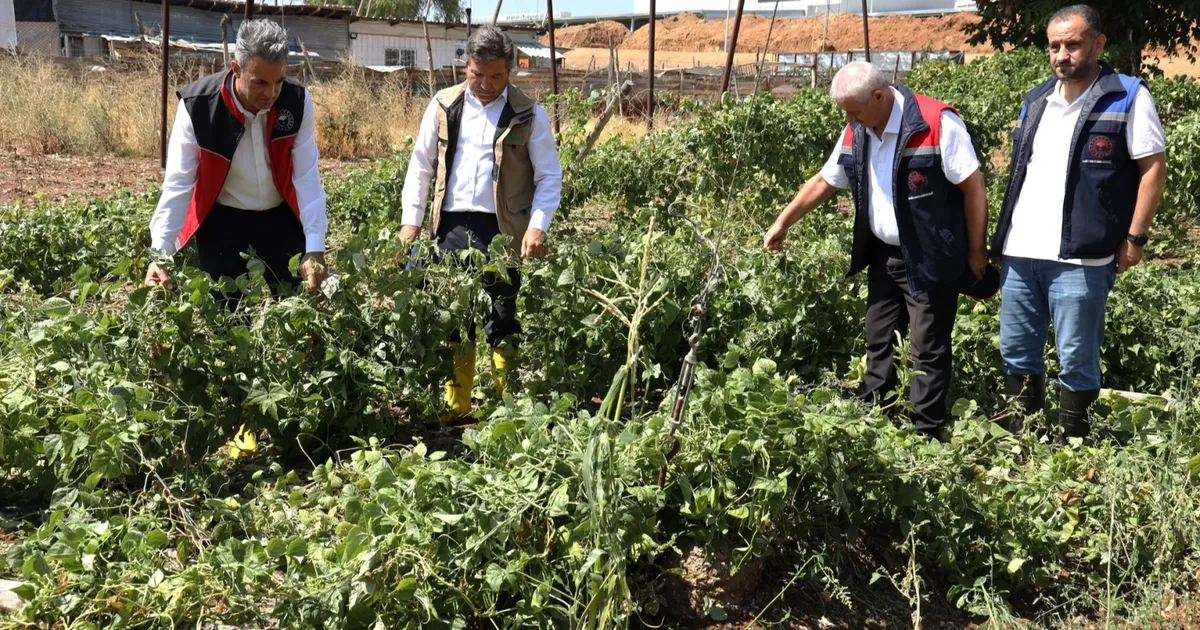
(262, 8)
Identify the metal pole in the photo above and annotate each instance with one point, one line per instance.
(166, 53)
(553, 61)
(866, 32)
(733, 38)
(468, 22)
(496, 15)
(650, 107)
(249, 10)
(225, 39)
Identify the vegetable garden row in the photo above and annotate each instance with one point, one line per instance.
(360, 511)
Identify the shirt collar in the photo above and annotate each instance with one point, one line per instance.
(503, 98)
(1055, 96)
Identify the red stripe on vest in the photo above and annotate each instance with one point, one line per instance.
(227, 96)
(931, 113)
(279, 151)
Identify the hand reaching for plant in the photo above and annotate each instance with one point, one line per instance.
(158, 277)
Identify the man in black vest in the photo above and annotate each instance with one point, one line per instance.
(242, 168)
(919, 227)
(1088, 169)
(242, 174)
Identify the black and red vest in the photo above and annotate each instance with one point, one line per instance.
(930, 211)
(219, 126)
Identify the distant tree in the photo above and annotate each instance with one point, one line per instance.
(442, 10)
(1131, 26)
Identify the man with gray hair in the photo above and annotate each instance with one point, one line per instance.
(919, 228)
(242, 169)
(490, 153)
(242, 174)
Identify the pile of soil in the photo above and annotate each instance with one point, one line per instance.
(687, 32)
(595, 35)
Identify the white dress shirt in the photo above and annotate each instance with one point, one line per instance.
(469, 186)
(249, 185)
(1037, 220)
(958, 163)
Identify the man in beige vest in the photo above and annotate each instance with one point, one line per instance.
(490, 153)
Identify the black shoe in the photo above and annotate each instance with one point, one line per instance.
(1029, 392)
(1075, 412)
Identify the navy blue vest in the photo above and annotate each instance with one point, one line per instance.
(930, 211)
(1102, 177)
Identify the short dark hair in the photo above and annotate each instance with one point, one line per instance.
(488, 44)
(1089, 15)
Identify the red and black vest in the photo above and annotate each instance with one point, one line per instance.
(219, 126)
(930, 211)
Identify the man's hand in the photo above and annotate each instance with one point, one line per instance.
(532, 245)
(1128, 256)
(312, 268)
(773, 240)
(158, 277)
(409, 233)
(977, 260)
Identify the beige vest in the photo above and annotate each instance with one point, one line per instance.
(512, 181)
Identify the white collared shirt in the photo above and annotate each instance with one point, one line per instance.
(469, 185)
(958, 163)
(249, 185)
(1037, 220)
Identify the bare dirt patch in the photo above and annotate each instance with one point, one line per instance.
(597, 35)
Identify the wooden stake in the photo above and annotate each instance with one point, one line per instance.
(866, 32)
(553, 62)
(429, 46)
(650, 63)
(166, 54)
(737, 25)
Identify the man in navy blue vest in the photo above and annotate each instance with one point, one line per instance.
(1088, 168)
(919, 227)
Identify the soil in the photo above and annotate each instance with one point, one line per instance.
(686, 32)
(597, 35)
(26, 177)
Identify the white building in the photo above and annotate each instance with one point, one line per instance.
(401, 43)
(8, 25)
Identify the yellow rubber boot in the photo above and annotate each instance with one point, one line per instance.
(244, 443)
(458, 391)
(503, 359)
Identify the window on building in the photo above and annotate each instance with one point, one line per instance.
(74, 47)
(408, 57)
(391, 56)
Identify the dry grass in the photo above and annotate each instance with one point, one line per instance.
(48, 108)
(365, 119)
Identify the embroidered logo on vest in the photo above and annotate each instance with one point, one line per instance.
(917, 182)
(1100, 147)
(284, 121)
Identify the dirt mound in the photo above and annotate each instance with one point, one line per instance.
(595, 35)
(686, 32)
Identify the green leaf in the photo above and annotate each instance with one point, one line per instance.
(56, 307)
(449, 519)
(356, 542)
(405, 589)
(496, 576)
(276, 548)
(1014, 565)
(157, 539)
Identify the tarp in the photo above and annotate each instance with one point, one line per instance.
(34, 10)
(538, 50)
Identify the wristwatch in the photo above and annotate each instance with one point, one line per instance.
(1138, 239)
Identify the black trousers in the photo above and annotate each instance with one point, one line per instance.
(891, 309)
(276, 235)
(458, 231)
